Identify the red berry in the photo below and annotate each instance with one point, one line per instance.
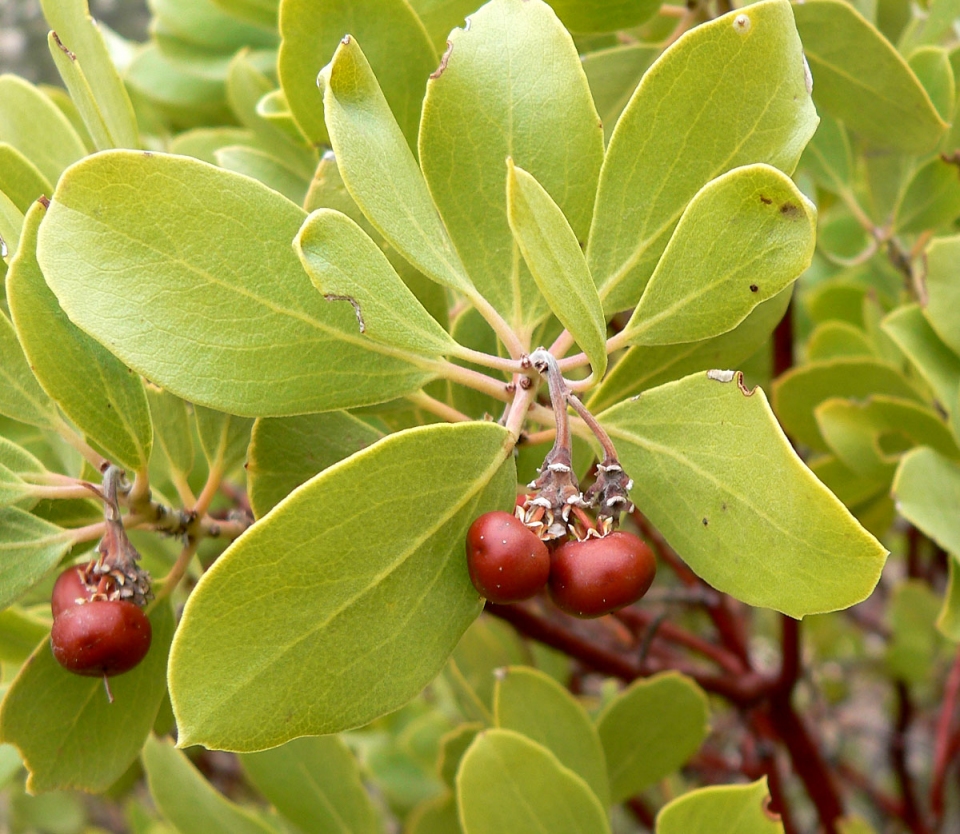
(102, 637)
(593, 577)
(506, 560)
(68, 590)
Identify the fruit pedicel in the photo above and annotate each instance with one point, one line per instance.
(589, 567)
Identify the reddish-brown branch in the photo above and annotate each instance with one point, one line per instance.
(783, 343)
(641, 812)
(888, 805)
(911, 816)
(942, 739)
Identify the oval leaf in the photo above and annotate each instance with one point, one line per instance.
(347, 266)
(69, 734)
(315, 783)
(604, 15)
(534, 704)
(29, 548)
(304, 591)
(927, 492)
(742, 239)
(509, 783)
(900, 115)
(510, 84)
(716, 475)
(556, 262)
(691, 119)
(943, 289)
(727, 809)
(152, 255)
(650, 730)
(96, 391)
(21, 396)
(188, 800)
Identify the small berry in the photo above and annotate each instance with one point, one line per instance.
(506, 560)
(100, 638)
(70, 589)
(595, 576)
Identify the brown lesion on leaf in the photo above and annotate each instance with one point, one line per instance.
(443, 61)
(71, 55)
(705, 522)
(952, 158)
(765, 200)
(44, 201)
(754, 288)
(353, 303)
(791, 210)
(747, 392)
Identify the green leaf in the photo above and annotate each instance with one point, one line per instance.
(223, 438)
(205, 24)
(650, 730)
(11, 221)
(865, 434)
(901, 115)
(692, 119)
(948, 620)
(511, 85)
(262, 165)
(758, 526)
(315, 784)
(346, 266)
(828, 158)
(79, 34)
(380, 170)
(262, 13)
(369, 529)
(838, 339)
(188, 800)
(95, 390)
(69, 734)
(533, 791)
(171, 429)
(912, 648)
(35, 126)
(937, 364)
(646, 366)
(440, 16)
(743, 238)
(927, 492)
(21, 180)
(20, 632)
(798, 392)
(535, 705)
(151, 255)
(29, 547)
(932, 198)
(938, 18)
(727, 809)
(604, 15)
(850, 487)
(80, 91)
(13, 490)
(943, 289)
(452, 747)
(397, 45)
(555, 260)
(435, 816)
(285, 452)
(613, 75)
(931, 65)
(203, 142)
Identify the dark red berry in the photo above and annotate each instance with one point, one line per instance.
(595, 576)
(102, 637)
(506, 560)
(69, 590)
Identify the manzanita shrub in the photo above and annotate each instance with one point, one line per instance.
(323, 317)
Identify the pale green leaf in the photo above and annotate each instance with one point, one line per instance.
(932, 198)
(304, 591)
(205, 24)
(13, 490)
(836, 339)
(604, 15)
(730, 92)
(727, 809)
(850, 487)
(188, 800)
(435, 816)
(912, 613)
(151, 255)
(943, 289)
(287, 451)
(828, 158)
(223, 437)
(646, 366)
(650, 730)
(511, 86)
(867, 434)
(21, 396)
(901, 115)
(380, 170)
(937, 20)
(346, 266)
(440, 16)
(273, 108)
(510, 783)
(78, 33)
(35, 126)
(80, 91)
(716, 475)
(20, 179)
(11, 221)
(535, 705)
(931, 65)
(171, 429)
(798, 392)
(262, 165)
(203, 142)
(556, 261)
(20, 632)
(452, 747)
(396, 43)
(21, 463)
(948, 620)
(927, 492)
(69, 734)
(261, 13)
(613, 75)
(315, 784)
(938, 365)
(744, 237)
(95, 390)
